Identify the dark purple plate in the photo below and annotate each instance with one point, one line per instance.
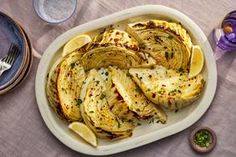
(11, 33)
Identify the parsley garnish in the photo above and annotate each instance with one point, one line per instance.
(79, 101)
(170, 37)
(72, 65)
(181, 69)
(102, 96)
(166, 55)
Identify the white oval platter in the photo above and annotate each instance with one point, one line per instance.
(145, 133)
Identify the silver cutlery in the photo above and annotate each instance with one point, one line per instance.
(7, 61)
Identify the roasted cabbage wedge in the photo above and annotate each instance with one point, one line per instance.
(116, 103)
(96, 112)
(69, 82)
(112, 55)
(166, 87)
(167, 42)
(51, 87)
(117, 48)
(134, 98)
(115, 37)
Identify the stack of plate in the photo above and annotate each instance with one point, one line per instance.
(12, 32)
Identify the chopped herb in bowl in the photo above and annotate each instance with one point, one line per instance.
(202, 138)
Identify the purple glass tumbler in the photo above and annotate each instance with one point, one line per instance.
(225, 36)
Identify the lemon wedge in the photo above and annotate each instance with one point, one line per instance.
(75, 43)
(84, 131)
(197, 61)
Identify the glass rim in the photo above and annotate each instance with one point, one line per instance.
(35, 6)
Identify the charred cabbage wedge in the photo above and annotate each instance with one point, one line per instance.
(167, 42)
(98, 57)
(96, 112)
(166, 87)
(134, 98)
(70, 80)
(117, 48)
(51, 87)
(115, 101)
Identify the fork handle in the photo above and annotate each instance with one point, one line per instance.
(1, 71)
(3, 67)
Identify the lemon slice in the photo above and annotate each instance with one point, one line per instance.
(75, 43)
(85, 132)
(197, 61)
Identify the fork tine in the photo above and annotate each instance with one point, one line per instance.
(8, 60)
(14, 55)
(10, 54)
(11, 58)
(9, 51)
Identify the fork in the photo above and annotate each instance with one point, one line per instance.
(7, 62)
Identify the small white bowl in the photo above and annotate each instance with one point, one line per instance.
(55, 11)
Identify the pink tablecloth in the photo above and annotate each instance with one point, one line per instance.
(22, 130)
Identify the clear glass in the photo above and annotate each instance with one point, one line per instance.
(55, 11)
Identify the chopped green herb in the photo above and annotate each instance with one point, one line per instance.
(79, 101)
(202, 138)
(157, 121)
(118, 123)
(102, 96)
(91, 111)
(173, 91)
(151, 121)
(139, 124)
(202, 81)
(106, 73)
(128, 75)
(166, 55)
(72, 65)
(142, 46)
(63, 89)
(181, 70)
(170, 37)
(137, 89)
(158, 39)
